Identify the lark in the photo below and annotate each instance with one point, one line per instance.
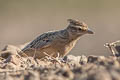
(54, 42)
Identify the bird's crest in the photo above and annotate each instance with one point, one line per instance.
(76, 22)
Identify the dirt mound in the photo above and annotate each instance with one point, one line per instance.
(15, 67)
(70, 68)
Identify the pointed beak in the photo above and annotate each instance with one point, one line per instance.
(90, 31)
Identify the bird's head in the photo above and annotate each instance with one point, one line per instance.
(78, 28)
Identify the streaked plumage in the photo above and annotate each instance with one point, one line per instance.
(54, 42)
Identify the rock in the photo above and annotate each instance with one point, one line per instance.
(9, 50)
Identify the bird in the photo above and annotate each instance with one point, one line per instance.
(57, 42)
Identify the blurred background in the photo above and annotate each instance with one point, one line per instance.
(23, 20)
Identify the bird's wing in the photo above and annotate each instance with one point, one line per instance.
(41, 41)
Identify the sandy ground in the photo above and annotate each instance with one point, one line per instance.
(72, 68)
(15, 67)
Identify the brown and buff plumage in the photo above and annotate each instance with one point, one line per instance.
(55, 42)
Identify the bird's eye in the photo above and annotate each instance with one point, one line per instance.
(80, 29)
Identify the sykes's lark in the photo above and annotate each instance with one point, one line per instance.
(55, 42)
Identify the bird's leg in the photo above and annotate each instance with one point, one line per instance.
(58, 57)
(52, 57)
(34, 56)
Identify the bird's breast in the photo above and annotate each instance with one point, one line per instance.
(64, 48)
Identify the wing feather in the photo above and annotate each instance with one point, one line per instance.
(41, 41)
